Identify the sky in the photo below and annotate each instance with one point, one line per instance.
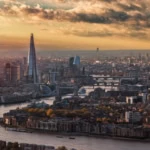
(75, 24)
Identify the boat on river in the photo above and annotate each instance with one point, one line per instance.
(11, 129)
(59, 136)
(72, 138)
(21, 130)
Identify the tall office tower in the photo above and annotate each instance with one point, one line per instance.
(32, 75)
(15, 73)
(53, 76)
(76, 66)
(76, 61)
(71, 60)
(83, 71)
(61, 71)
(12, 72)
(8, 72)
(140, 56)
(147, 56)
(24, 60)
(98, 54)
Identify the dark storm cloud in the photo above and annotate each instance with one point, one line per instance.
(118, 15)
(108, 17)
(90, 18)
(111, 16)
(130, 7)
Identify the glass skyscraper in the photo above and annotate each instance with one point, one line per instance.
(32, 74)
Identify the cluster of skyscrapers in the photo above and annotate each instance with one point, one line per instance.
(27, 72)
(13, 70)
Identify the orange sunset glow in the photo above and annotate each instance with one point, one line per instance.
(75, 24)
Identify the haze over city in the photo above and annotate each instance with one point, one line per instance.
(75, 24)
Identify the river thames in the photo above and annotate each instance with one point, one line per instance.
(79, 143)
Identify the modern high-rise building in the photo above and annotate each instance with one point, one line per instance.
(32, 75)
(15, 73)
(8, 72)
(76, 61)
(24, 60)
(71, 60)
(12, 73)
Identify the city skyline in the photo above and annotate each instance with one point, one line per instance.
(75, 24)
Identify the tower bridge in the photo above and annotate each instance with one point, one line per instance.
(61, 87)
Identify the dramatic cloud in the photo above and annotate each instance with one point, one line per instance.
(93, 14)
(112, 18)
(91, 11)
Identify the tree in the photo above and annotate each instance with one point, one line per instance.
(31, 110)
(49, 112)
(15, 145)
(62, 148)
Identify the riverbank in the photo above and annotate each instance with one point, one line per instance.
(73, 134)
(79, 143)
(12, 99)
(21, 101)
(24, 146)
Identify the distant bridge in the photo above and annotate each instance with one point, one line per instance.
(114, 84)
(109, 80)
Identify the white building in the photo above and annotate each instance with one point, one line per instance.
(132, 117)
(130, 99)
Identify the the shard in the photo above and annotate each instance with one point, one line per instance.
(32, 74)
